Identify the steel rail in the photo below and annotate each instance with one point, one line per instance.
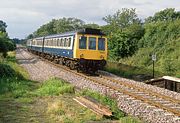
(156, 104)
(150, 92)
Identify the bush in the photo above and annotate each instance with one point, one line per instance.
(6, 71)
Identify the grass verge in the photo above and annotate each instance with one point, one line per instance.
(23, 100)
(131, 72)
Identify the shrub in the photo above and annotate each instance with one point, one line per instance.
(6, 71)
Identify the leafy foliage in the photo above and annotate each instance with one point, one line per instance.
(161, 38)
(124, 29)
(61, 25)
(168, 14)
(5, 43)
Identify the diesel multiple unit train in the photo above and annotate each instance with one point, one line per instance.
(84, 50)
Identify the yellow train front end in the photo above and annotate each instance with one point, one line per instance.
(92, 47)
(91, 51)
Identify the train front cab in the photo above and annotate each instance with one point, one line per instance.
(91, 51)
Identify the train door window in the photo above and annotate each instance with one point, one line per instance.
(101, 43)
(92, 43)
(82, 42)
(69, 43)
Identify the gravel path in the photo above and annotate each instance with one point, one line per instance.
(40, 71)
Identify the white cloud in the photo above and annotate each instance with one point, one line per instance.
(24, 17)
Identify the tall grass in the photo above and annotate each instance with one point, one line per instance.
(54, 86)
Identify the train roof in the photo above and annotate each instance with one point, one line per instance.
(71, 33)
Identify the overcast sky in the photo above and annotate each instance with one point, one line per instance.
(25, 16)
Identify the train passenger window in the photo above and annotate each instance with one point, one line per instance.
(54, 42)
(92, 43)
(101, 43)
(82, 42)
(61, 42)
(57, 42)
(45, 42)
(51, 42)
(66, 42)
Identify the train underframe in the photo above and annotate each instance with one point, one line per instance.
(84, 65)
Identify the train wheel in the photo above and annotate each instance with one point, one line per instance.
(61, 61)
(72, 65)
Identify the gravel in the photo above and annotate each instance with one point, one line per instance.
(40, 70)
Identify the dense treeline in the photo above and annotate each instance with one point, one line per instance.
(132, 41)
(161, 37)
(56, 26)
(5, 43)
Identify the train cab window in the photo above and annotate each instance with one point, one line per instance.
(101, 43)
(82, 42)
(92, 43)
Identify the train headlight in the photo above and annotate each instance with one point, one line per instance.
(102, 57)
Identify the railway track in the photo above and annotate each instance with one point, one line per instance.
(156, 99)
(160, 101)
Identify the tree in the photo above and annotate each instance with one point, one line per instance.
(122, 19)
(5, 43)
(68, 24)
(124, 30)
(2, 26)
(93, 25)
(168, 14)
(58, 26)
